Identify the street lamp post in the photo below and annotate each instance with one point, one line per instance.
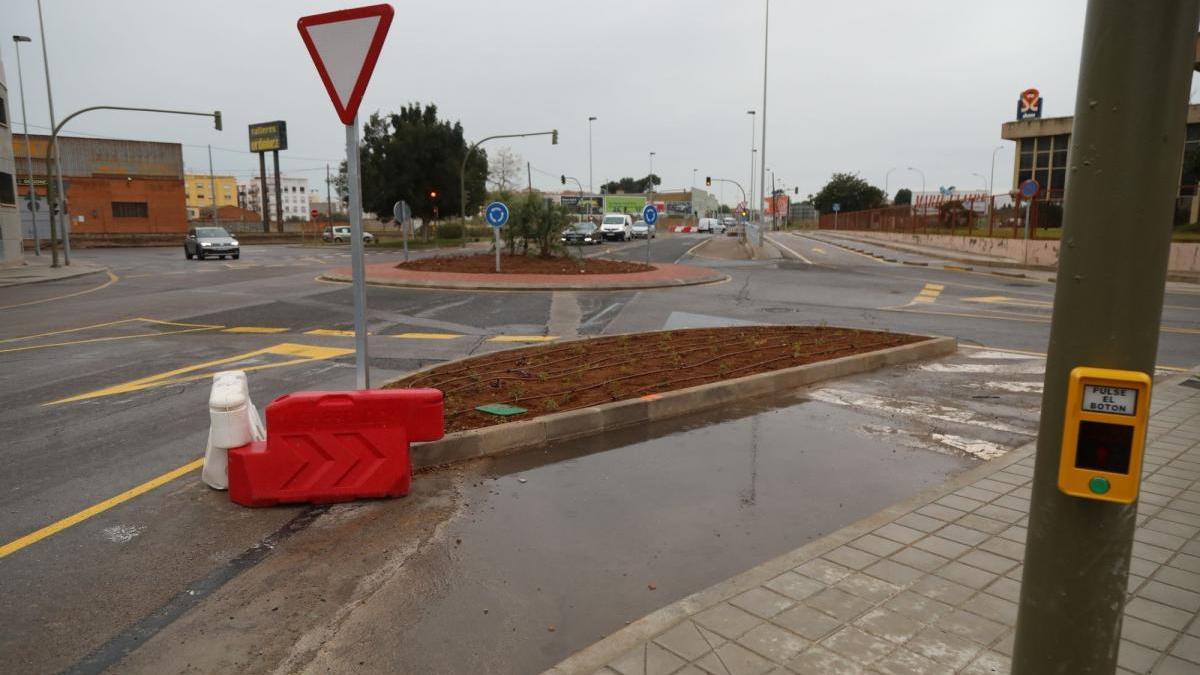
(54, 141)
(922, 174)
(462, 170)
(982, 178)
(37, 241)
(51, 147)
(590, 188)
(652, 170)
(763, 158)
(886, 177)
(992, 184)
(753, 121)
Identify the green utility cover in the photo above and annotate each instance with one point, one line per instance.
(502, 409)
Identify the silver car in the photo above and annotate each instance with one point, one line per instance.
(641, 230)
(202, 242)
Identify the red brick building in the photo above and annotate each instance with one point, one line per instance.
(112, 186)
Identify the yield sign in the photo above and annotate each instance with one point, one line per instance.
(344, 45)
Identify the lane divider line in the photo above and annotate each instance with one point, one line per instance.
(58, 526)
(254, 329)
(426, 336)
(523, 338)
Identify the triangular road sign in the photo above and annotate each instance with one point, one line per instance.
(344, 45)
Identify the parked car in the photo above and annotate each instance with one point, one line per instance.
(202, 242)
(617, 226)
(581, 233)
(341, 233)
(707, 224)
(641, 230)
(728, 221)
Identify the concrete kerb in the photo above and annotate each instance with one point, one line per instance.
(512, 437)
(713, 278)
(593, 658)
(18, 275)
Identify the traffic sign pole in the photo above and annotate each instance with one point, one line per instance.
(361, 371)
(650, 216)
(496, 215)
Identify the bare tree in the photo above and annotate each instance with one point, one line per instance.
(504, 170)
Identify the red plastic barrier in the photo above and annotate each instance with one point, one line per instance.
(325, 446)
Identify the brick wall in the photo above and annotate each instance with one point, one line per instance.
(92, 198)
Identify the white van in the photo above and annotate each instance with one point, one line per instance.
(617, 226)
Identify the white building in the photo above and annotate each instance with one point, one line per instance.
(294, 193)
(10, 217)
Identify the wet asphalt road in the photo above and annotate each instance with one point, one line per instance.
(79, 588)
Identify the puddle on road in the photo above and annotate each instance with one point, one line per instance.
(572, 539)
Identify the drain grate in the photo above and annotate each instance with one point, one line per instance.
(1193, 382)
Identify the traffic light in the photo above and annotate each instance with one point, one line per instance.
(433, 194)
(554, 137)
(797, 190)
(563, 179)
(708, 181)
(217, 119)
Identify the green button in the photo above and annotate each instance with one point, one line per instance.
(1098, 485)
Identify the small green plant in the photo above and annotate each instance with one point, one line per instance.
(550, 404)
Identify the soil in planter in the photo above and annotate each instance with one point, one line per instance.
(553, 378)
(523, 264)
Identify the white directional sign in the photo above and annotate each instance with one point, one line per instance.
(344, 45)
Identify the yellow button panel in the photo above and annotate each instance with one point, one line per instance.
(1104, 434)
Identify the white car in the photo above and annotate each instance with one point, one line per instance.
(341, 233)
(617, 226)
(641, 230)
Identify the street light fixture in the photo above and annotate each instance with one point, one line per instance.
(753, 119)
(886, 177)
(992, 184)
(652, 153)
(590, 120)
(37, 241)
(922, 173)
(763, 157)
(982, 178)
(462, 170)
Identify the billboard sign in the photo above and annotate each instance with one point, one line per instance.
(679, 208)
(1029, 105)
(631, 204)
(268, 136)
(577, 204)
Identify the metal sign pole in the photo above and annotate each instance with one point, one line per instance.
(362, 378)
(496, 230)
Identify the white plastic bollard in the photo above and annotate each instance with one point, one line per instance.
(234, 422)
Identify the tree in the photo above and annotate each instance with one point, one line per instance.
(630, 185)
(504, 173)
(411, 155)
(903, 196)
(850, 191)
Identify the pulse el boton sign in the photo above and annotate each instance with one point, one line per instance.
(1104, 434)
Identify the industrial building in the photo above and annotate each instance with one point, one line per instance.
(10, 219)
(112, 185)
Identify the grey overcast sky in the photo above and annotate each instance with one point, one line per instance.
(854, 86)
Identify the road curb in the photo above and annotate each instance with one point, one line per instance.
(713, 278)
(69, 275)
(572, 424)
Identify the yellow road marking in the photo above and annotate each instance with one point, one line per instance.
(523, 338)
(818, 249)
(846, 250)
(427, 336)
(56, 527)
(1013, 316)
(928, 294)
(186, 328)
(302, 354)
(329, 332)
(1005, 300)
(112, 279)
(253, 329)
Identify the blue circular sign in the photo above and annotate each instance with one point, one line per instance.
(650, 214)
(496, 214)
(1030, 188)
(837, 207)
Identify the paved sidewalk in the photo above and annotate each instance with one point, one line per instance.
(931, 585)
(37, 269)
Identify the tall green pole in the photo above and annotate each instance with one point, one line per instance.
(1126, 155)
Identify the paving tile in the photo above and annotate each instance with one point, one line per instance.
(971, 577)
(741, 661)
(893, 572)
(919, 522)
(1143, 567)
(996, 512)
(978, 492)
(876, 545)
(1183, 561)
(945, 590)
(943, 547)
(971, 626)
(685, 640)
(1152, 553)
(1170, 595)
(944, 513)
(1188, 649)
(981, 523)
(1005, 588)
(1005, 547)
(762, 602)
(888, 624)
(868, 588)
(899, 533)
(992, 607)
(964, 504)
(988, 561)
(820, 661)
(1174, 666)
(856, 645)
(963, 535)
(988, 663)
(850, 557)
(1017, 533)
(1011, 501)
(1146, 633)
(992, 485)
(795, 586)
(942, 647)
(807, 622)
(688, 670)
(838, 603)
(1157, 613)
(726, 620)
(918, 607)
(1136, 657)
(922, 560)
(904, 662)
(1005, 645)
(773, 642)
(1177, 577)
(1160, 539)
(823, 571)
